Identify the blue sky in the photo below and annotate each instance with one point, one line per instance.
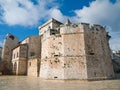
(22, 17)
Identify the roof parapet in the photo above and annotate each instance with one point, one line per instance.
(49, 21)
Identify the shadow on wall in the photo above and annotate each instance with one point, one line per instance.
(117, 75)
(5, 68)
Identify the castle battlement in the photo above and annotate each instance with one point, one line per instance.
(53, 28)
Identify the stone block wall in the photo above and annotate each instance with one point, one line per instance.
(19, 59)
(34, 46)
(98, 59)
(33, 67)
(9, 43)
(80, 52)
(51, 58)
(74, 52)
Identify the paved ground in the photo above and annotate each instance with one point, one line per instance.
(34, 83)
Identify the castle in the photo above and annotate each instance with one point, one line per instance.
(61, 51)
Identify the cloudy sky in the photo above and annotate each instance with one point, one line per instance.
(22, 17)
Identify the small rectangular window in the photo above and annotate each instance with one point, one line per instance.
(29, 63)
(17, 54)
(32, 54)
(56, 55)
(91, 53)
(14, 56)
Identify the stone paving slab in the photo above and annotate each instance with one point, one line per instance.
(35, 83)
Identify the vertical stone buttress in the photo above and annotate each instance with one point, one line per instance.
(73, 51)
(51, 48)
(98, 59)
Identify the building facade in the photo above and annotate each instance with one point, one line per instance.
(23, 54)
(74, 51)
(19, 59)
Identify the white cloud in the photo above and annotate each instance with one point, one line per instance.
(105, 13)
(19, 12)
(25, 12)
(57, 14)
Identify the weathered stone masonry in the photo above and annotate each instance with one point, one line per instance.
(19, 59)
(61, 51)
(9, 43)
(74, 51)
(26, 57)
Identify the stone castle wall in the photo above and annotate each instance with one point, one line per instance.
(99, 63)
(76, 52)
(51, 58)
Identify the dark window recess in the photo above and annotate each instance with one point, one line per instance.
(41, 36)
(95, 73)
(55, 77)
(56, 55)
(56, 61)
(32, 54)
(97, 29)
(52, 33)
(60, 43)
(12, 37)
(14, 56)
(29, 63)
(17, 54)
(92, 53)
